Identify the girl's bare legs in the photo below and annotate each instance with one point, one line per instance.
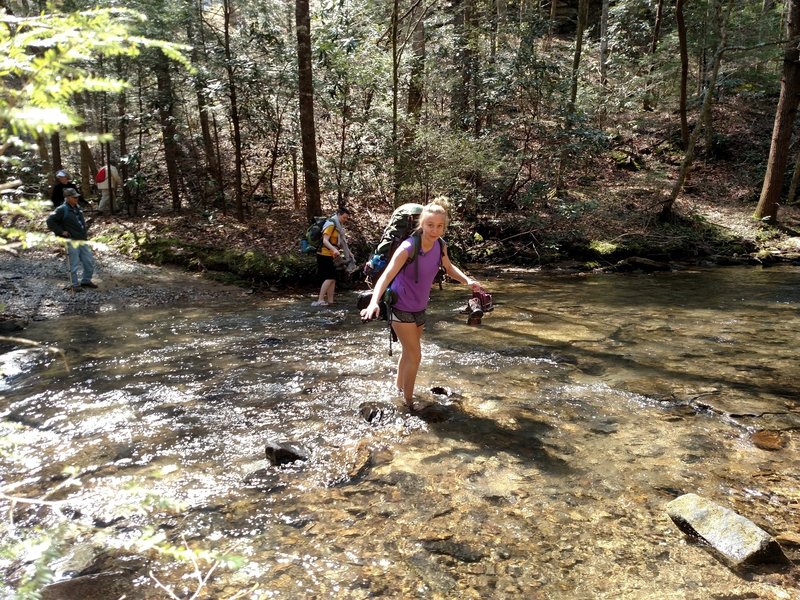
(409, 335)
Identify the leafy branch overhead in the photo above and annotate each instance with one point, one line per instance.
(46, 60)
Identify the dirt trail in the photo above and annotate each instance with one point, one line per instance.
(33, 282)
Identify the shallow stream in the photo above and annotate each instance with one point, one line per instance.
(564, 424)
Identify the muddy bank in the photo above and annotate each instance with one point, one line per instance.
(34, 286)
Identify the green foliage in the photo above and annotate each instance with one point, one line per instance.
(603, 247)
(14, 237)
(48, 59)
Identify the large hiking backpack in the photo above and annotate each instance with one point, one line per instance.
(403, 222)
(312, 240)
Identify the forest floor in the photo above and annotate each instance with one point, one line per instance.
(606, 212)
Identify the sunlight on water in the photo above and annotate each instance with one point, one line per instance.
(570, 417)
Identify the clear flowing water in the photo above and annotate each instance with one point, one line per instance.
(573, 414)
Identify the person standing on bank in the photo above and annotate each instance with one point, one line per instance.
(329, 255)
(104, 183)
(411, 289)
(62, 183)
(67, 221)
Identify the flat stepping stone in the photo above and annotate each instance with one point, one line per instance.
(740, 541)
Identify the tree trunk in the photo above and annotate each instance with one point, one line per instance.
(604, 42)
(460, 96)
(106, 151)
(220, 175)
(705, 112)
(44, 156)
(785, 116)
(88, 168)
(237, 135)
(416, 80)
(305, 84)
(583, 9)
(415, 96)
(166, 110)
(649, 101)
(395, 93)
(55, 152)
(122, 111)
(684, 72)
(203, 102)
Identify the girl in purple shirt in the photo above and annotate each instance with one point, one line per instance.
(412, 288)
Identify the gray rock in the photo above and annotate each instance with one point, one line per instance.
(740, 541)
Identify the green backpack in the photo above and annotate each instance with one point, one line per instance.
(312, 240)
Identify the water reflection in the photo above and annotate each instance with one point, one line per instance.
(579, 408)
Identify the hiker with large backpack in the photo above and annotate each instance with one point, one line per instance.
(403, 222)
(333, 252)
(406, 289)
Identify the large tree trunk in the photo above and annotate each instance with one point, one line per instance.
(785, 116)
(88, 168)
(649, 102)
(583, 11)
(44, 157)
(203, 102)
(705, 113)
(604, 42)
(122, 111)
(461, 92)
(237, 135)
(415, 96)
(166, 110)
(305, 84)
(395, 93)
(55, 149)
(684, 72)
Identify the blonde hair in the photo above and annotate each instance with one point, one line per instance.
(437, 206)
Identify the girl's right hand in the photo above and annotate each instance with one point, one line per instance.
(371, 312)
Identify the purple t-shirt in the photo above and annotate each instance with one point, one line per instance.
(413, 292)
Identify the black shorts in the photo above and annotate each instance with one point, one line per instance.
(325, 267)
(403, 316)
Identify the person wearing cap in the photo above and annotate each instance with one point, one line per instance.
(63, 182)
(67, 221)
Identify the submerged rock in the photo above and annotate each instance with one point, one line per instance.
(101, 586)
(265, 480)
(349, 464)
(432, 412)
(740, 541)
(284, 453)
(767, 439)
(457, 550)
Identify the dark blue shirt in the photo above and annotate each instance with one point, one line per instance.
(70, 219)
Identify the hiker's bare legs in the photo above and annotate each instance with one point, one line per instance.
(331, 290)
(326, 291)
(409, 335)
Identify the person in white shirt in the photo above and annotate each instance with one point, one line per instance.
(104, 186)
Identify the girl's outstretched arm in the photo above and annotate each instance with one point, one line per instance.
(459, 275)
